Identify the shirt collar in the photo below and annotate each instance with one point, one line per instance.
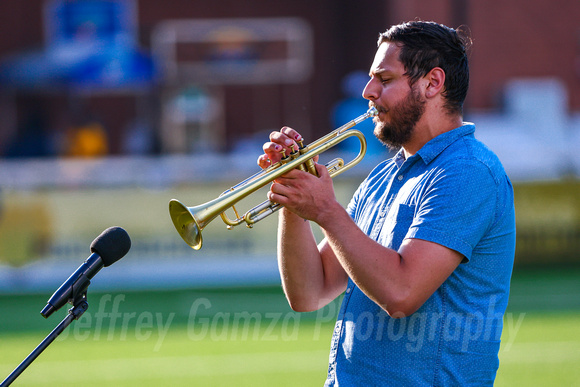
(438, 144)
(399, 158)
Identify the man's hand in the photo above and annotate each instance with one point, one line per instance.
(306, 195)
(300, 192)
(284, 139)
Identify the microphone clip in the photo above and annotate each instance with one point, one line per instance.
(80, 306)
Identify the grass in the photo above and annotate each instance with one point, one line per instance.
(180, 360)
(545, 352)
(191, 337)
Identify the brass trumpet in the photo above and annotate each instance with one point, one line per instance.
(190, 221)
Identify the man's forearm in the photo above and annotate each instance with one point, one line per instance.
(310, 279)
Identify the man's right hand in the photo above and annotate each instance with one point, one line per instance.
(284, 139)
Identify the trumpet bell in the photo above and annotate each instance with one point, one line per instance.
(186, 224)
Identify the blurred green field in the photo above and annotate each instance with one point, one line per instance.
(249, 337)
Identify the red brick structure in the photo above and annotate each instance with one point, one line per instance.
(512, 38)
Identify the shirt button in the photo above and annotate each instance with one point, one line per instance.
(347, 290)
(400, 177)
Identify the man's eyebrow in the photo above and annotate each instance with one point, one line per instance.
(379, 71)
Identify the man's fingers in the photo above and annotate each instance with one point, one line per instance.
(321, 169)
(264, 161)
(291, 134)
(283, 140)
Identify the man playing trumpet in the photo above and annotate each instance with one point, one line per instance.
(424, 251)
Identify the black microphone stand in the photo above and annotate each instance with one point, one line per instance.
(80, 305)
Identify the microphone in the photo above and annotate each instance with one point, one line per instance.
(106, 249)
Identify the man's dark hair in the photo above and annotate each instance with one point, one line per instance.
(426, 45)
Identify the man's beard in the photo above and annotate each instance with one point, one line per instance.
(404, 117)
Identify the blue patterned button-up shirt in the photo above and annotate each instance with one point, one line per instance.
(453, 192)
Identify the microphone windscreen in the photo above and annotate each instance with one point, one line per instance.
(111, 245)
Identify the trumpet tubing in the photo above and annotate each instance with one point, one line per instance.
(190, 221)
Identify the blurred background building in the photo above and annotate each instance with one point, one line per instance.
(111, 108)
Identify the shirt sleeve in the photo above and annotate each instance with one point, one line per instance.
(457, 207)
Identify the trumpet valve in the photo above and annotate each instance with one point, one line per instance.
(284, 158)
(294, 151)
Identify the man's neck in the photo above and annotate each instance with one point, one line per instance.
(428, 130)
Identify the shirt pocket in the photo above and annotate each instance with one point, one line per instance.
(397, 225)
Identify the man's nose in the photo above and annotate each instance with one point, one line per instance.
(371, 91)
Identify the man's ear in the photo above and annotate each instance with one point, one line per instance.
(435, 82)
